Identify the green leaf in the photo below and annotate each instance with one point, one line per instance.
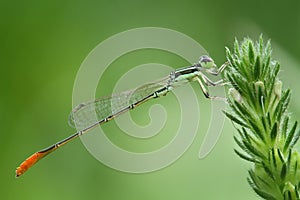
(268, 171)
(264, 194)
(229, 55)
(247, 135)
(296, 167)
(281, 157)
(257, 69)
(284, 126)
(256, 130)
(245, 157)
(288, 195)
(289, 158)
(250, 91)
(274, 132)
(274, 162)
(235, 81)
(290, 137)
(295, 139)
(239, 114)
(251, 53)
(268, 48)
(282, 105)
(240, 144)
(275, 70)
(266, 66)
(269, 119)
(261, 44)
(254, 151)
(283, 171)
(235, 119)
(253, 179)
(236, 47)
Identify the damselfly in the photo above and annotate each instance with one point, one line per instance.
(88, 115)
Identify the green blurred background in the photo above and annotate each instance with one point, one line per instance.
(43, 44)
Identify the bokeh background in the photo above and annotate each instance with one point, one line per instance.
(43, 44)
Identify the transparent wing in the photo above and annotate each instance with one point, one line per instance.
(89, 113)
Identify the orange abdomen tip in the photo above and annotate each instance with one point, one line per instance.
(29, 162)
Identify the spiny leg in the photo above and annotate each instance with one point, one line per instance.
(209, 82)
(206, 92)
(220, 70)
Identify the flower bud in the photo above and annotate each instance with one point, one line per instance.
(259, 85)
(277, 89)
(233, 93)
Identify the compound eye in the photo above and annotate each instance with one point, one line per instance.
(206, 62)
(205, 59)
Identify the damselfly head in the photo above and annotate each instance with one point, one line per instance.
(207, 62)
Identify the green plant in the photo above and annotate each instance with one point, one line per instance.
(258, 110)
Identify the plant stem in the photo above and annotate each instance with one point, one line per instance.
(258, 109)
